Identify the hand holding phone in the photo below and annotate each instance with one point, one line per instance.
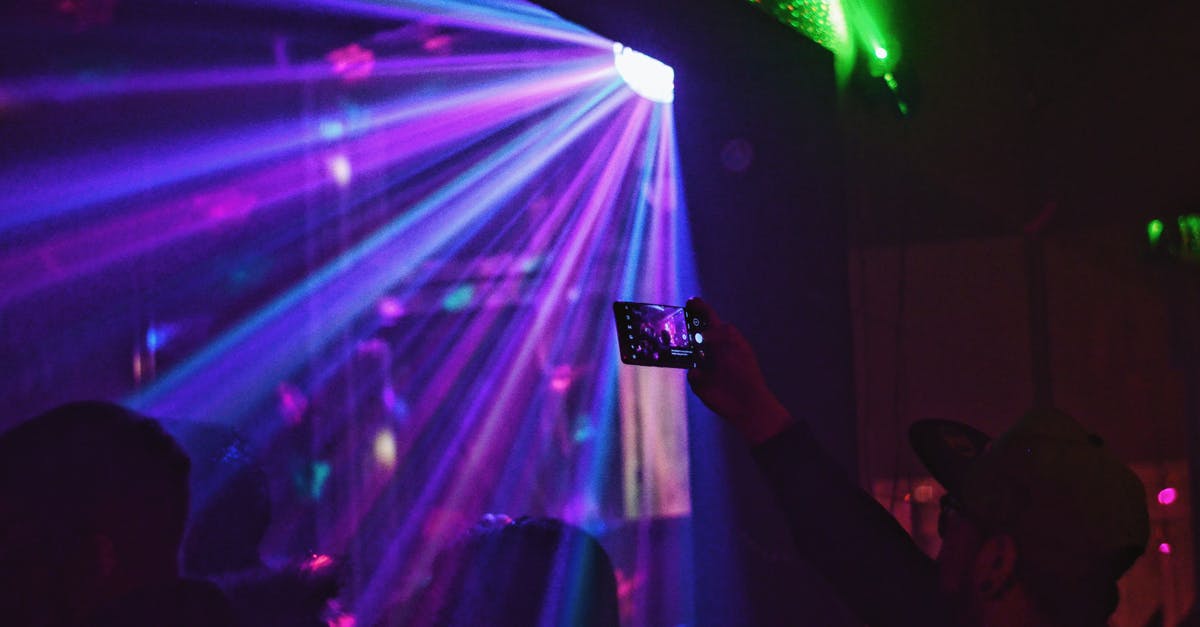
(664, 336)
(731, 383)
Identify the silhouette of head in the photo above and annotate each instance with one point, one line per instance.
(93, 499)
(1045, 509)
(231, 505)
(534, 571)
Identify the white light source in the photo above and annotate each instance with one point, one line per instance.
(339, 168)
(385, 449)
(649, 78)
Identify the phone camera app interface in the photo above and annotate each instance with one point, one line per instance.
(657, 334)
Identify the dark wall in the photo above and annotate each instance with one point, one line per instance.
(771, 250)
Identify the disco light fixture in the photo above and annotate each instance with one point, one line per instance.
(823, 21)
(850, 29)
(648, 77)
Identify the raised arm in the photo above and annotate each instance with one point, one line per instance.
(850, 538)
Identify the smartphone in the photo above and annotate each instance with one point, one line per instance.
(666, 336)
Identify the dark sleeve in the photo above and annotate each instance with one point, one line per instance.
(848, 537)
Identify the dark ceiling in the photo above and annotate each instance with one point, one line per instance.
(1090, 107)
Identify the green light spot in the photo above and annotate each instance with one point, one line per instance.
(1154, 230)
(458, 298)
(310, 480)
(891, 81)
(881, 53)
(1189, 232)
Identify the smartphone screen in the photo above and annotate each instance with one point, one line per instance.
(656, 335)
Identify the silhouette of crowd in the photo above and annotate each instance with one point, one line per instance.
(96, 529)
(105, 520)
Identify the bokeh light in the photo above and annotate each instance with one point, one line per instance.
(339, 169)
(1154, 231)
(385, 449)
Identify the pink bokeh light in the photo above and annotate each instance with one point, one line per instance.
(318, 563)
(561, 379)
(352, 63)
(390, 309)
(293, 403)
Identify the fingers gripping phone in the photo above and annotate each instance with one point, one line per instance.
(665, 336)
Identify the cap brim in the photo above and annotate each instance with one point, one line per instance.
(947, 449)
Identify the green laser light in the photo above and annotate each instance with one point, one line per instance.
(1154, 230)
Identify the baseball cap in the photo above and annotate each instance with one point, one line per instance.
(1071, 506)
